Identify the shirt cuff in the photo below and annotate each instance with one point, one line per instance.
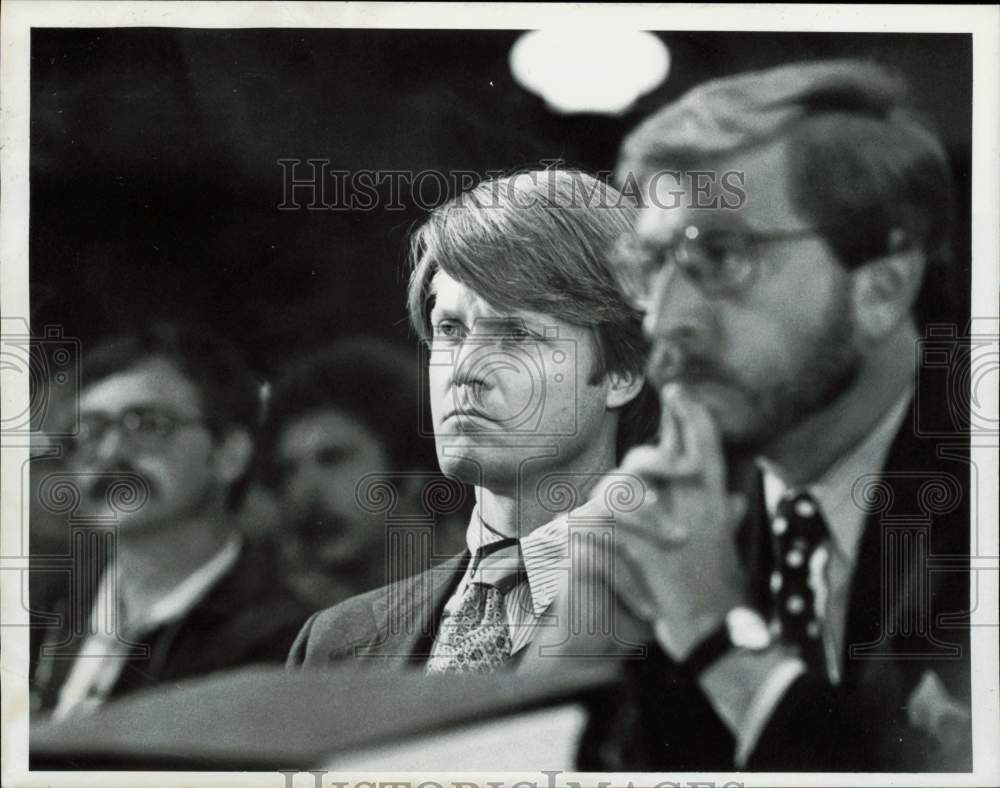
(763, 705)
(745, 687)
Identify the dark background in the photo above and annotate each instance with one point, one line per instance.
(155, 182)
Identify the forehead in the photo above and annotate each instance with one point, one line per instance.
(156, 382)
(324, 429)
(451, 294)
(747, 189)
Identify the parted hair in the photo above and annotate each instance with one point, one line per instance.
(539, 240)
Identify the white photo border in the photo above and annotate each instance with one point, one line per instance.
(19, 16)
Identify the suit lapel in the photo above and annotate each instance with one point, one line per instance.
(889, 594)
(866, 645)
(407, 614)
(867, 607)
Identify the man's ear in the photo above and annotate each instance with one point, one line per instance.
(885, 289)
(233, 454)
(623, 387)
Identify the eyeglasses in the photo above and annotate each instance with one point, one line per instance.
(719, 262)
(142, 428)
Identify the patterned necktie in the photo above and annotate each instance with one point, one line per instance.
(476, 637)
(798, 585)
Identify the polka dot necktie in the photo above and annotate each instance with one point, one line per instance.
(798, 585)
(476, 637)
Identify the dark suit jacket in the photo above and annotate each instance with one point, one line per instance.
(393, 626)
(248, 617)
(907, 615)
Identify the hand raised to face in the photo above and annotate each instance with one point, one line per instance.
(674, 563)
(680, 541)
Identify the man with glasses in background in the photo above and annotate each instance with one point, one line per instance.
(167, 419)
(799, 561)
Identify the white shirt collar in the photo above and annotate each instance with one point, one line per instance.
(177, 602)
(545, 552)
(833, 490)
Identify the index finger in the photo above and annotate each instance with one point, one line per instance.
(699, 436)
(670, 442)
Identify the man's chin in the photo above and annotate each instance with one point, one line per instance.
(494, 465)
(463, 464)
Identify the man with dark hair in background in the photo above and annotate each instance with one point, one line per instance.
(339, 417)
(810, 467)
(167, 420)
(536, 388)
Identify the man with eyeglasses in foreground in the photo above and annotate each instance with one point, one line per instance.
(167, 419)
(799, 560)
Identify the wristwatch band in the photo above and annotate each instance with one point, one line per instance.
(709, 651)
(742, 628)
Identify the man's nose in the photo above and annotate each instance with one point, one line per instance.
(471, 362)
(678, 311)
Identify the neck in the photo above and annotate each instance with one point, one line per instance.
(807, 451)
(536, 500)
(152, 562)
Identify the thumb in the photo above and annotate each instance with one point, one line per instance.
(736, 509)
(669, 432)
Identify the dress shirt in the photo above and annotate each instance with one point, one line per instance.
(99, 664)
(545, 552)
(845, 521)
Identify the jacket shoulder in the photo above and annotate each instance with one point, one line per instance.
(251, 610)
(332, 633)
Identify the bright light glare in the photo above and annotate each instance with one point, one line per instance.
(601, 71)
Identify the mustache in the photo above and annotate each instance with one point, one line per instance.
(673, 364)
(107, 480)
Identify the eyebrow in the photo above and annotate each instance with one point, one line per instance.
(508, 322)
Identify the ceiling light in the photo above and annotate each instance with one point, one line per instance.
(590, 70)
